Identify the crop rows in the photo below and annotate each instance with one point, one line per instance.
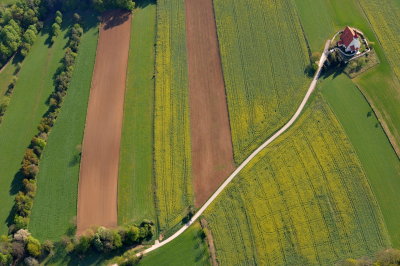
(172, 129)
(305, 200)
(264, 55)
(383, 16)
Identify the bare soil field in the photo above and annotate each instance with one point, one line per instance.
(97, 192)
(212, 155)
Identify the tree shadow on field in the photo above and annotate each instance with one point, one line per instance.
(114, 18)
(16, 184)
(333, 71)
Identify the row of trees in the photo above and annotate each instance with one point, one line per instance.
(56, 27)
(23, 247)
(30, 163)
(103, 240)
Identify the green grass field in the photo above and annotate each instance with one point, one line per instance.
(172, 146)
(377, 156)
(380, 84)
(55, 204)
(305, 200)
(26, 108)
(264, 55)
(187, 249)
(135, 183)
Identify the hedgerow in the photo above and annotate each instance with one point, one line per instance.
(30, 162)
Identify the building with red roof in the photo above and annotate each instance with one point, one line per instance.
(350, 40)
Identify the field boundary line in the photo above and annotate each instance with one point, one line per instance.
(311, 88)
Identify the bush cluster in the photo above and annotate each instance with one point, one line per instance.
(104, 240)
(19, 25)
(357, 65)
(30, 163)
(22, 247)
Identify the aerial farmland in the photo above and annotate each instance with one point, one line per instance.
(199, 132)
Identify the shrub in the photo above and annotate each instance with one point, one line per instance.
(5, 259)
(20, 222)
(30, 186)
(48, 246)
(59, 14)
(38, 142)
(4, 102)
(77, 17)
(315, 57)
(22, 235)
(55, 29)
(132, 235)
(18, 250)
(30, 261)
(23, 204)
(58, 20)
(34, 247)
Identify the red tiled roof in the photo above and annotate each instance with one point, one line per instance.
(348, 35)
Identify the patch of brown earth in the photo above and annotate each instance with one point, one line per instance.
(97, 192)
(212, 155)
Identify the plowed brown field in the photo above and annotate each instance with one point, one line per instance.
(97, 198)
(212, 155)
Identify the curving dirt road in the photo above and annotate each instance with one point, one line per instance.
(254, 154)
(98, 179)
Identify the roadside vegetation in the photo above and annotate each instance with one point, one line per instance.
(304, 200)
(30, 163)
(264, 55)
(188, 249)
(172, 146)
(376, 155)
(135, 182)
(59, 167)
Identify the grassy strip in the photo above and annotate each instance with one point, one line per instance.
(372, 146)
(135, 183)
(6, 76)
(264, 55)
(304, 200)
(172, 149)
(24, 113)
(187, 249)
(55, 202)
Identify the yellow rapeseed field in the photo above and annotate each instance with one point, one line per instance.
(264, 55)
(304, 200)
(173, 183)
(384, 18)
